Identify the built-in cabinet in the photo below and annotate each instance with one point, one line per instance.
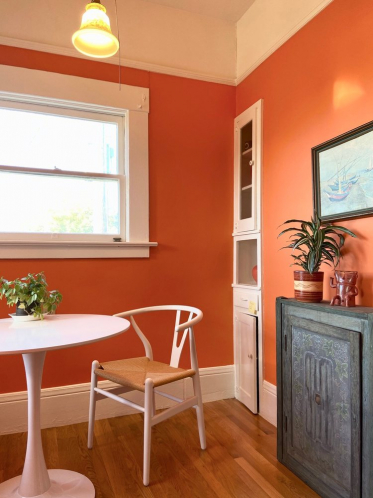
(325, 396)
(247, 268)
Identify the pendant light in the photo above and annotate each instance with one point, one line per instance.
(94, 38)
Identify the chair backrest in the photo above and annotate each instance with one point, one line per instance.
(195, 316)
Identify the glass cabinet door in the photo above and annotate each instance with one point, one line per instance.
(246, 188)
(246, 172)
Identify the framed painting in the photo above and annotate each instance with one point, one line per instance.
(343, 175)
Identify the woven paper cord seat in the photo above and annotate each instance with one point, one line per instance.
(133, 372)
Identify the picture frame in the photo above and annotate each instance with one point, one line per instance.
(343, 175)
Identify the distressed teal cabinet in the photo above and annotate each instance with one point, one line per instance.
(325, 396)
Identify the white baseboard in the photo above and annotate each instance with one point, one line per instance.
(268, 403)
(69, 404)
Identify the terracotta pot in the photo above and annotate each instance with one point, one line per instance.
(308, 287)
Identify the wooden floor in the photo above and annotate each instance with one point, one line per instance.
(240, 460)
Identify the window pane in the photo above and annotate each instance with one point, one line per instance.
(47, 141)
(32, 203)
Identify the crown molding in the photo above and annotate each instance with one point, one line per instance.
(144, 66)
(282, 40)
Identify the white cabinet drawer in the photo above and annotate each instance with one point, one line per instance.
(242, 299)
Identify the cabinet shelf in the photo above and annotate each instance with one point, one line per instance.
(247, 260)
(246, 187)
(255, 287)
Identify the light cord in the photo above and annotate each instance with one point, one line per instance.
(120, 70)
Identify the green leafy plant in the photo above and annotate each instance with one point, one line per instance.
(30, 294)
(316, 242)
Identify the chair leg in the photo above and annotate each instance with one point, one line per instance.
(199, 411)
(154, 409)
(149, 407)
(92, 404)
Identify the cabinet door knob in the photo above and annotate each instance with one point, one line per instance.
(251, 162)
(250, 356)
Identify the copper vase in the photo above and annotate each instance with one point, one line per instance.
(308, 287)
(346, 289)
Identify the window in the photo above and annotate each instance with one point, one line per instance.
(73, 167)
(66, 168)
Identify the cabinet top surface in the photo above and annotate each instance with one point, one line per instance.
(361, 311)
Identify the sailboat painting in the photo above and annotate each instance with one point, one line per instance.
(343, 175)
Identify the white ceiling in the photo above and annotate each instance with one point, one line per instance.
(228, 10)
(190, 38)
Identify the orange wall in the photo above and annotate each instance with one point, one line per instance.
(316, 86)
(191, 212)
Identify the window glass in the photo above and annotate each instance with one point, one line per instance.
(38, 203)
(49, 141)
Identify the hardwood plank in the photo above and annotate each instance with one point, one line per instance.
(95, 470)
(50, 447)
(240, 444)
(270, 490)
(15, 452)
(166, 439)
(217, 465)
(181, 435)
(236, 482)
(129, 431)
(114, 460)
(246, 420)
(239, 462)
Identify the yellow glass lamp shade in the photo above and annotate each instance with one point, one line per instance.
(94, 38)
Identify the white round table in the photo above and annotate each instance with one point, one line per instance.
(33, 340)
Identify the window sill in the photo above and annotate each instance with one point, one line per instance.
(22, 249)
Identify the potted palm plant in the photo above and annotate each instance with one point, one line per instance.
(31, 296)
(317, 243)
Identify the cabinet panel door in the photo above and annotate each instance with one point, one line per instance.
(321, 403)
(246, 359)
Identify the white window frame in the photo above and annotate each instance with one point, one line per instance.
(74, 112)
(21, 87)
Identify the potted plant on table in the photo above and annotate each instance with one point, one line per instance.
(317, 243)
(31, 295)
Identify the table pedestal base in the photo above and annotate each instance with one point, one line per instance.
(64, 483)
